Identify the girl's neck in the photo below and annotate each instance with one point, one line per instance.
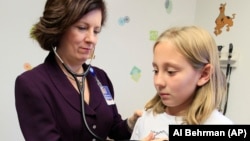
(175, 111)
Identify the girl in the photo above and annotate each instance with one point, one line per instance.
(189, 83)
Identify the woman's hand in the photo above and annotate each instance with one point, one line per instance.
(132, 120)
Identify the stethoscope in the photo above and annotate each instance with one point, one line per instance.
(80, 87)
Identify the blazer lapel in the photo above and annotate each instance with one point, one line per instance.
(68, 92)
(61, 83)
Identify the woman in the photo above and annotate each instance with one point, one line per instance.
(58, 98)
(189, 83)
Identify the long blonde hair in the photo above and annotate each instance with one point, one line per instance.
(199, 48)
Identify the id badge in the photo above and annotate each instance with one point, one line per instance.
(107, 95)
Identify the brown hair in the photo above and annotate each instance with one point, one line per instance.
(58, 15)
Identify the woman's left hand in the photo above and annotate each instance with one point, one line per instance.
(132, 120)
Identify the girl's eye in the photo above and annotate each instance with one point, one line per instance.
(170, 72)
(155, 71)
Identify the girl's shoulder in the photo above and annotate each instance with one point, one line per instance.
(217, 117)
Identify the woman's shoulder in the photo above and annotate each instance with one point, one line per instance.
(98, 69)
(217, 117)
(33, 72)
(31, 79)
(101, 73)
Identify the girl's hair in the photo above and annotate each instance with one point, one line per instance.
(199, 48)
(58, 15)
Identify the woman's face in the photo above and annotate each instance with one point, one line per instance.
(175, 79)
(79, 40)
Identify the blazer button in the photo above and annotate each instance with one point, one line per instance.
(94, 126)
(93, 139)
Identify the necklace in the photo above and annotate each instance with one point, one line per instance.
(72, 78)
(79, 81)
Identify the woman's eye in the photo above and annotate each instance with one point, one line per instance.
(81, 28)
(97, 31)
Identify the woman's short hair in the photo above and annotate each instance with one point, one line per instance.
(58, 15)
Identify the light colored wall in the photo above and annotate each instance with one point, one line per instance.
(239, 92)
(120, 48)
(16, 19)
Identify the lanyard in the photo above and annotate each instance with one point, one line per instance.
(104, 89)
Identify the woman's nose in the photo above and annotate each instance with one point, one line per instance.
(91, 37)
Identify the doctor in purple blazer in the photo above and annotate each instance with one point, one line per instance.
(64, 98)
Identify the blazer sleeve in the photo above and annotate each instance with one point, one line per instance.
(33, 111)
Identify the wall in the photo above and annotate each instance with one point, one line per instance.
(124, 44)
(17, 48)
(206, 13)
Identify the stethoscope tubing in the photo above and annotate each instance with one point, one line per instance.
(81, 89)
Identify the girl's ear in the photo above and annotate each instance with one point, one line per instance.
(205, 75)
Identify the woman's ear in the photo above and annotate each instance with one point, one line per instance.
(205, 75)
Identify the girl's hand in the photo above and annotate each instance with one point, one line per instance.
(151, 137)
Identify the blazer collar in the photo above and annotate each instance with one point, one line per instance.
(66, 89)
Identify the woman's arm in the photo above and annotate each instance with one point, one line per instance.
(34, 114)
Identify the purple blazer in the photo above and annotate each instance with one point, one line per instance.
(49, 107)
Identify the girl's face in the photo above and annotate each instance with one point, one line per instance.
(79, 40)
(175, 79)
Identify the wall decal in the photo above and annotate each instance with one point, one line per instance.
(135, 73)
(123, 20)
(169, 6)
(27, 66)
(223, 20)
(153, 35)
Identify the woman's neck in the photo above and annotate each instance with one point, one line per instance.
(75, 69)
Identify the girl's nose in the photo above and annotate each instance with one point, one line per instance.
(159, 81)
